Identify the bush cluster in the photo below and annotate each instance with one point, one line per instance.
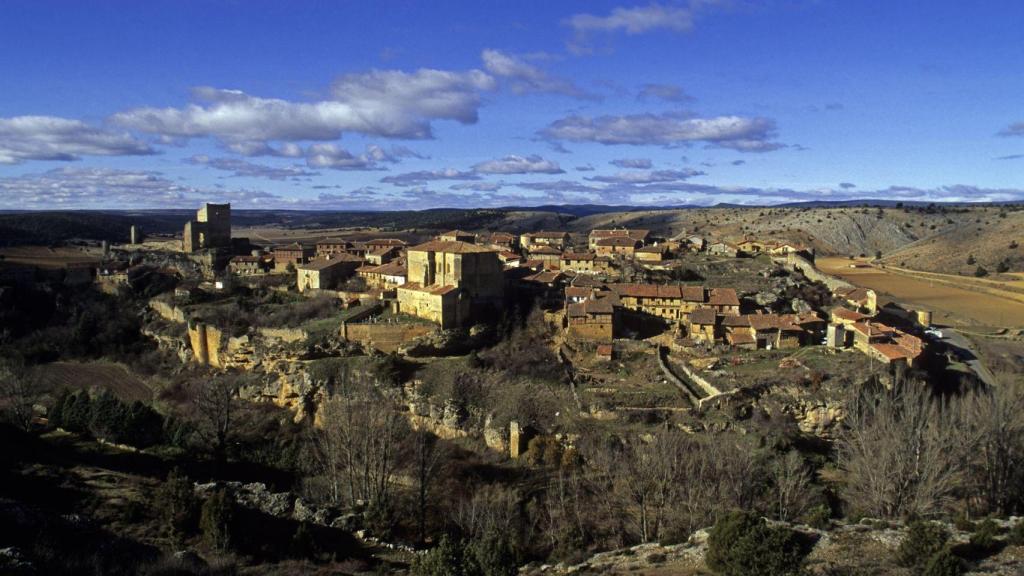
(108, 417)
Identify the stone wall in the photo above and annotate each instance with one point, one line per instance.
(384, 337)
(794, 261)
(286, 335)
(167, 311)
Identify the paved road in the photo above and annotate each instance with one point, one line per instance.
(968, 355)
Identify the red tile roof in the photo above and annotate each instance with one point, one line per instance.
(451, 246)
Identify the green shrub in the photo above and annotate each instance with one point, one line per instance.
(445, 559)
(923, 540)
(217, 520)
(943, 563)
(176, 507)
(742, 544)
(1016, 535)
(984, 542)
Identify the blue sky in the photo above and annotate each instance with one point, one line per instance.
(370, 105)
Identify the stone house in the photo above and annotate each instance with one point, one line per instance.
(381, 243)
(586, 262)
(457, 236)
(249, 265)
(326, 273)
(641, 236)
(293, 254)
(451, 282)
(547, 254)
(652, 254)
(723, 249)
(385, 276)
(557, 240)
(617, 245)
(383, 255)
(329, 246)
(594, 319)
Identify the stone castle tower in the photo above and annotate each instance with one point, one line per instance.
(210, 229)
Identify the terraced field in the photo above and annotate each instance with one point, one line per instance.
(84, 375)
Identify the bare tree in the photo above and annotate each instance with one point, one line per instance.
(20, 391)
(216, 404)
(903, 453)
(427, 457)
(790, 486)
(996, 418)
(359, 444)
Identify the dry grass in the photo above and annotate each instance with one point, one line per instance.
(950, 304)
(45, 257)
(85, 375)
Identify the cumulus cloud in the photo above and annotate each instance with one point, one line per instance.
(633, 20)
(585, 168)
(386, 103)
(105, 187)
(513, 164)
(51, 138)
(667, 129)
(525, 78)
(1016, 129)
(478, 186)
(422, 177)
(647, 176)
(239, 167)
(666, 92)
(632, 162)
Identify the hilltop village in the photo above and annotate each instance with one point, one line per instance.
(528, 395)
(612, 285)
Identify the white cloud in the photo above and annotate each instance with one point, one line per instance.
(386, 103)
(1015, 129)
(666, 92)
(51, 138)
(420, 178)
(735, 132)
(647, 176)
(239, 167)
(525, 77)
(634, 20)
(103, 187)
(513, 164)
(632, 163)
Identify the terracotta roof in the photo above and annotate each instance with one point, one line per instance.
(704, 316)
(383, 251)
(594, 306)
(637, 234)
(870, 329)
(452, 246)
(687, 293)
(323, 263)
(578, 291)
(436, 290)
(501, 237)
(292, 246)
(723, 297)
(457, 233)
(894, 351)
(393, 268)
(587, 280)
(736, 321)
(544, 276)
(578, 256)
(385, 242)
(508, 256)
(618, 241)
(847, 314)
(546, 234)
